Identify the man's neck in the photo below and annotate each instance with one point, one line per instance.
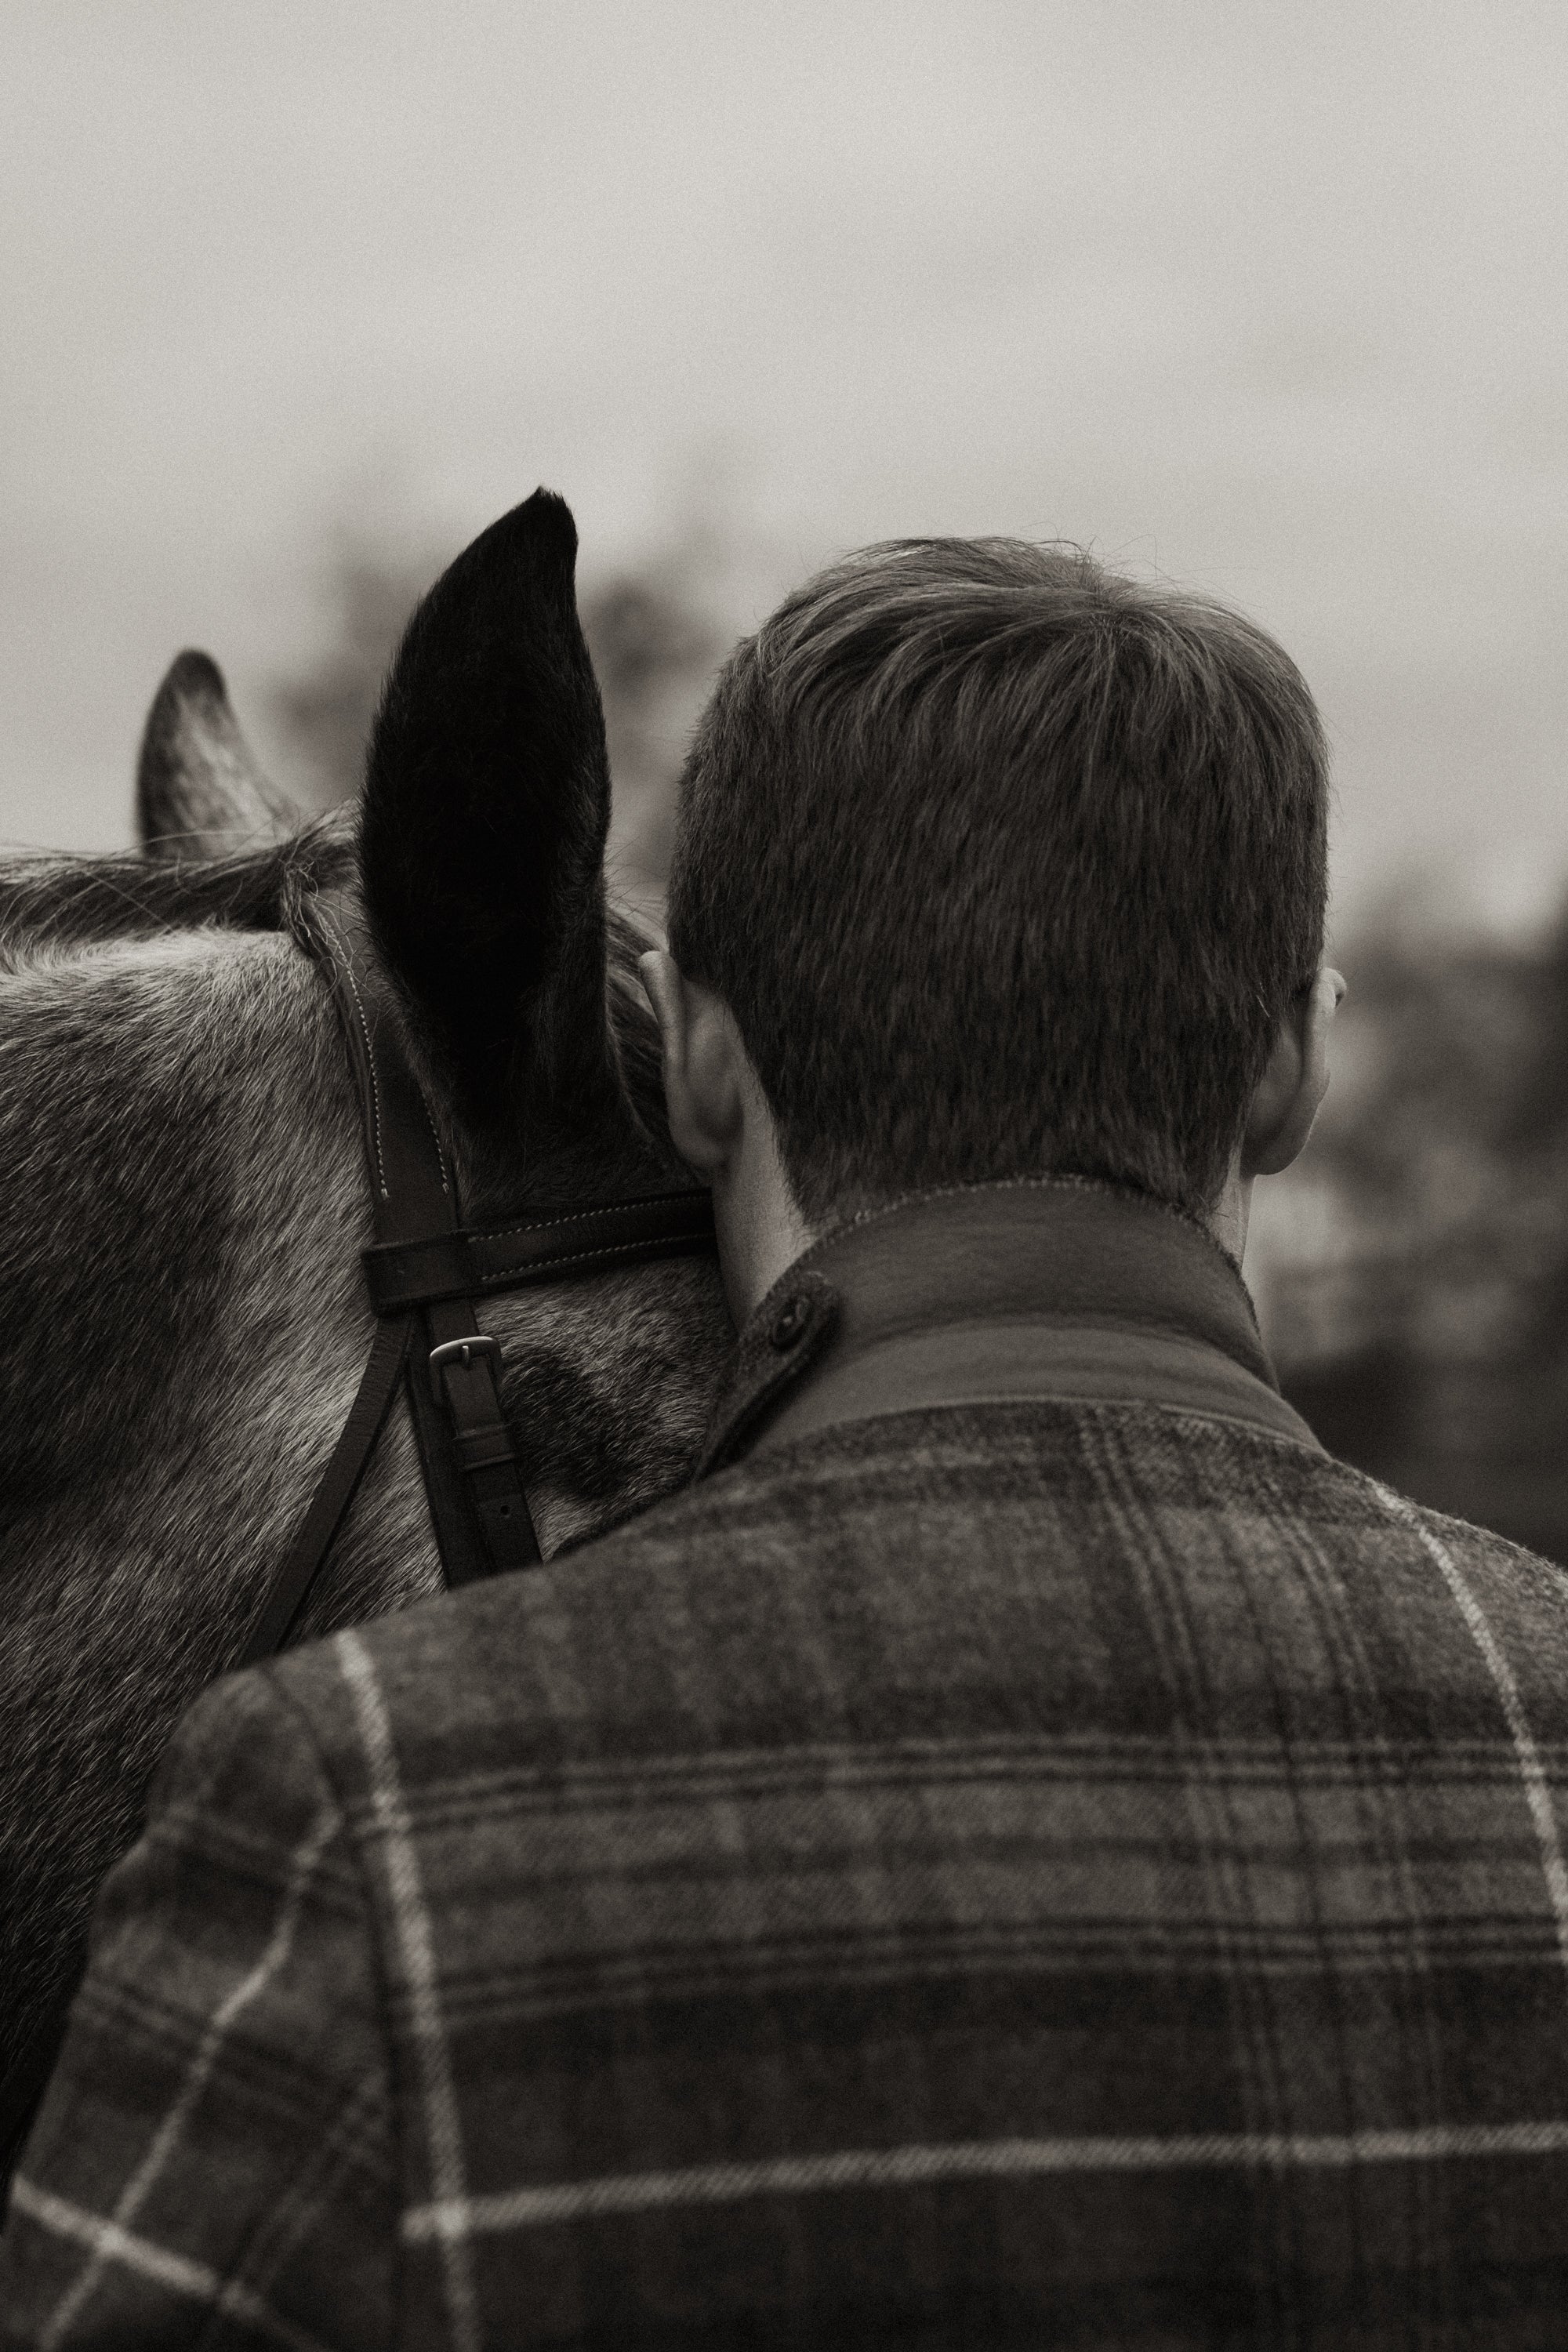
(760, 1227)
(1227, 1220)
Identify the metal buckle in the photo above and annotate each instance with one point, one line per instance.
(460, 1352)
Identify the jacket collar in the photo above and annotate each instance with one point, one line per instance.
(1034, 1287)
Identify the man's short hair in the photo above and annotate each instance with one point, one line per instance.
(1005, 866)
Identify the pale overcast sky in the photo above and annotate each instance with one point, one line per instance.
(1269, 296)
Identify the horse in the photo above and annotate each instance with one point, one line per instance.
(184, 1319)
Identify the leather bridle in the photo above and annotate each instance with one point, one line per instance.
(425, 1274)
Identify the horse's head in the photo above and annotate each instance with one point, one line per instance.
(184, 1318)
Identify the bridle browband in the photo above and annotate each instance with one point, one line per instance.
(426, 1273)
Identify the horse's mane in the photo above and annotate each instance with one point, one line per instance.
(51, 904)
(55, 902)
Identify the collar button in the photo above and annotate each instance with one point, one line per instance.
(789, 1325)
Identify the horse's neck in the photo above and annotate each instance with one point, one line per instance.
(186, 1335)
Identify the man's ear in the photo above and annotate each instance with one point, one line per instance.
(1295, 1081)
(703, 1076)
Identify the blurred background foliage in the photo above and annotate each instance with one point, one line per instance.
(1411, 1271)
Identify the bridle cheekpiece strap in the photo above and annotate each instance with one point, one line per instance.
(424, 1272)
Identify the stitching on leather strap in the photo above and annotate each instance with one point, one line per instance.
(544, 1266)
(436, 1140)
(347, 969)
(584, 1216)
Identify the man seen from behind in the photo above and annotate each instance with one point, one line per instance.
(1026, 1849)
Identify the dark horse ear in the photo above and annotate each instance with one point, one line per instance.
(487, 802)
(199, 793)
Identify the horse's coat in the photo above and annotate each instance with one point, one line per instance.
(183, 1318)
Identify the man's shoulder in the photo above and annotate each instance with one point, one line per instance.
(526, 1662)
(1488, 1575)
(539, 1630)
(708, 1609)
(1465, 1540)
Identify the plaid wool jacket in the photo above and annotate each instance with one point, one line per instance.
(1027, 1850)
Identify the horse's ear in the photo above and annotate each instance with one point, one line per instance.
(199, 793)
(486, 802)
